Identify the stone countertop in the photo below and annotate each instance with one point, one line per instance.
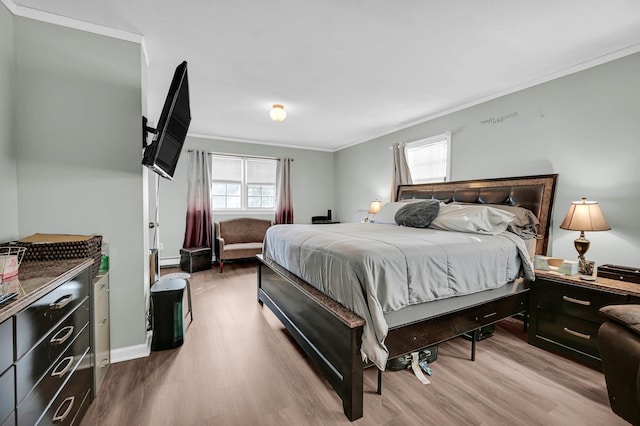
(36, 279)
(615, 286)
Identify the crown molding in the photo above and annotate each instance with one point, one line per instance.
(255, 142)
(38, 15)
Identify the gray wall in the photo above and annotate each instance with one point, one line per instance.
(76, 126)
(8, 177)
(312, 187)
(585, 127)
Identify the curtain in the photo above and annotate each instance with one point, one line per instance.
(400, 173)
(198, 229)
(284, 201)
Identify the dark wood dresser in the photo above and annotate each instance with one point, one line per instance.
(46, 364)
(564, 315)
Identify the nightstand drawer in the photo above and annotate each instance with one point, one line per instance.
(569, 331)
(573, 300)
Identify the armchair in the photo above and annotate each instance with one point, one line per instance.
(619, 344)
(239, 238)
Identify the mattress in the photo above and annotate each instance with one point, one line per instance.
(378, 269)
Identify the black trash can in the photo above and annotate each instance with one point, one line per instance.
(168, 327)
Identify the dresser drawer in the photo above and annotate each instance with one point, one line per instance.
(31, 367)
(43, 315)
(7, 394)
(6, 344)
(569, 331)
(73, 400)
(576, 301)
(30, 410)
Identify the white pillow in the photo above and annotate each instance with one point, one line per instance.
(476, 219)
(387, 213)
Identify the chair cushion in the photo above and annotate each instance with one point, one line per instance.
(241, 250)
(627, 315)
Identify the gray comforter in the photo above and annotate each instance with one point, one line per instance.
(376, 268)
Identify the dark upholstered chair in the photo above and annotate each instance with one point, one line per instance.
(619, 343)
(239, 238)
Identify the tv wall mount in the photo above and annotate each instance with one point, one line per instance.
(145, 131)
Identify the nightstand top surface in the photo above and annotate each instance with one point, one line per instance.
(622, 287)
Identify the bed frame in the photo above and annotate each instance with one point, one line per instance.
(331, 334)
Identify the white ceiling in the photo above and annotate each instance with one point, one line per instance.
(349, 71)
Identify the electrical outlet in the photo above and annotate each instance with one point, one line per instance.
(160, 246)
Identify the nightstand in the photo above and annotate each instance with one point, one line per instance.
(563, 312)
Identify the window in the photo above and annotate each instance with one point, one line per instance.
(429, 159)
(243, 183)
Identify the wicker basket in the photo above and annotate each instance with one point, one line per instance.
(44, 247)
(10, 260)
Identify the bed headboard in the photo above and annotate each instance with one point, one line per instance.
(532, 192)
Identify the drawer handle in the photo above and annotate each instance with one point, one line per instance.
(577, 301)
(59, 418)
(62, 302)
(65, 369)
(61, 336)
(103, 322)
(490, 315)
(575, 333)
(104, 363)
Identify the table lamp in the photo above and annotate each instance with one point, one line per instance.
(375, 207)
(584, 216)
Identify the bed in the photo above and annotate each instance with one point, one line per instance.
(331, 334)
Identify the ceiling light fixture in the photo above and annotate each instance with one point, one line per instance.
(277, 112)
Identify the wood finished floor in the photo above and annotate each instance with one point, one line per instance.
(238, 366)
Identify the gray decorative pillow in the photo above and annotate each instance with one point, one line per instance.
(418, 215)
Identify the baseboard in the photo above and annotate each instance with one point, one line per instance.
(169, 261)
(132, 352)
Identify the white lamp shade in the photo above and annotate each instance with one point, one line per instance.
(585, 215)
(375, 207)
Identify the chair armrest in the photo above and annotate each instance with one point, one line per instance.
(626, 315)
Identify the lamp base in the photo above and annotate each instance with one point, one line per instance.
(582, 245)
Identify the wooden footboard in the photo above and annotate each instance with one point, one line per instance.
(328, 333)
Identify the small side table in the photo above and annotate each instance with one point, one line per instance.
(195, 259)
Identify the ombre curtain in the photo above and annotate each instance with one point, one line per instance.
(400, 173)
(284, 201)
(198, 230)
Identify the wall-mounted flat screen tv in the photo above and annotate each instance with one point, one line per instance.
(162, 154)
